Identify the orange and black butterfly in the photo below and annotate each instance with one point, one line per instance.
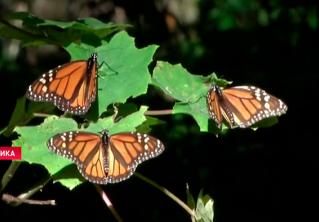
(70, 87)
(242, 106)
(106, 159)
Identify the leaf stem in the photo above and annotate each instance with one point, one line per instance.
(12, 200)
(9, 174)
(159, 112)
(26, 34)
(32, 191)
(166, 192)
(41, 115)
(108, 203)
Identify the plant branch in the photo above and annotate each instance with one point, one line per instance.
(108, 203)
(9, 174)
(159, 112)
(166, 192)
(33, 190)
(41, 115)
(24, 32)
(15, 201)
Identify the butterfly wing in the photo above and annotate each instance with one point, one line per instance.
(213, 103)
(127, 150)
(249, 104)
(71, 87)
(86, 150)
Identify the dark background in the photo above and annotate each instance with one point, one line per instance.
(264, 175)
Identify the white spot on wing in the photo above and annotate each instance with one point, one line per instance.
(44, 88)
(267, 106)
(266, 98)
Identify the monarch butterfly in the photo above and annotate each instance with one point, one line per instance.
(71, 87)
(242, 106)
(104, 159)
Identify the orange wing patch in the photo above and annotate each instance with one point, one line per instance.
(127, 151)
(71, 87)
(85, 149)
(106, 159)
(242, 106)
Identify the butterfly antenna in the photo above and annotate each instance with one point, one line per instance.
(109, 67)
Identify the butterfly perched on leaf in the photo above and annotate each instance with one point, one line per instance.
(242, 106)
(103, 158)
(70, 87)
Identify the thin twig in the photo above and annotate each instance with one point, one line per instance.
(158, 112)
(108, 203)
(167, 192)
(26, 33)
(9, 174)
(33, 190)
(41, 115)
(15, 201)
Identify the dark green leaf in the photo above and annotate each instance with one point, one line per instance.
(190, 199)
(198, 110)
(17, 116)
(34, 149)
(147, 125)
(190, 89)
(36, 31)
(124, 68)
(178, 83)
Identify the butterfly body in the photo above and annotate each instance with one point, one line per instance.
(242, 106)
(102, 158)
(70, 87)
